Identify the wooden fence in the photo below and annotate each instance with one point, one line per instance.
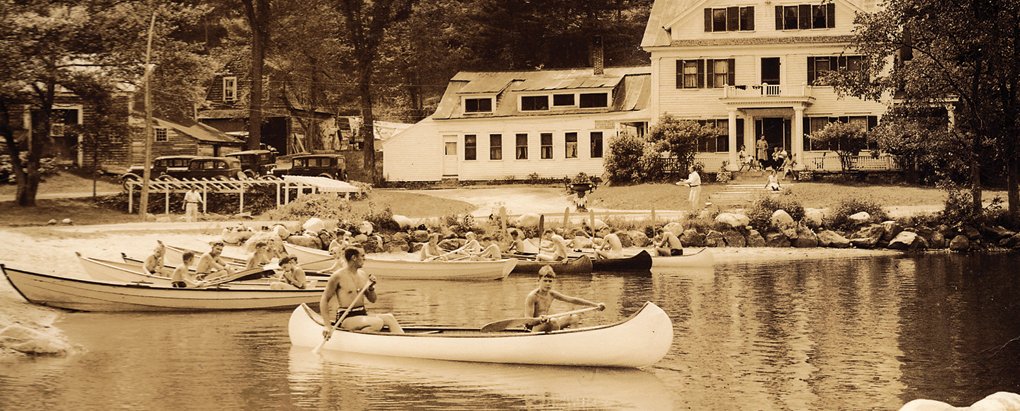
(302, 185)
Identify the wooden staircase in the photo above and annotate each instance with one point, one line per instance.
(743, 189)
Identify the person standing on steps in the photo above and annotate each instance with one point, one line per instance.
(763, 151)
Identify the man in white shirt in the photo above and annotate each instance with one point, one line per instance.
(694, 182)
(191, 200)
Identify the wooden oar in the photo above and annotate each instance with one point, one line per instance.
(541, 232)
(343, 316)
(235, 277)
(513, 322)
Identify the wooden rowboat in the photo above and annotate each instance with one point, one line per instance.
(640, 262)
(638, 341)
(699, 258)
(417, 270)
(90, 295)
(578, 265)
(131, 270)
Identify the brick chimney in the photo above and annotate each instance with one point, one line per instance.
(597, 55)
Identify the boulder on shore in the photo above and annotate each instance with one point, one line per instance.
(714, 239)
(734, 238)
(960, 243)
(860, 218)
(814, 217)
(776, 239)
(908, 241)
(868, 237)
(732, 220)
(829, 238)
(754, 239)
(805, 238)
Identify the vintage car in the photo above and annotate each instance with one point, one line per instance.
(162, 167)
(320, 165)
(213, 168)
(256, 162)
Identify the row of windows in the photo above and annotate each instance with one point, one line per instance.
(717, 73)
(720, 143)
(795, 17)
(521, 146)
(542, 103)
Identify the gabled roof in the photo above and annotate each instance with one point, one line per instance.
(196, 130)
(631, 83)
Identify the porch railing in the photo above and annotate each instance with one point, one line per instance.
(864, 162)
(767, 90)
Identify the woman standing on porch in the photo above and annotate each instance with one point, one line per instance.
(763, 151)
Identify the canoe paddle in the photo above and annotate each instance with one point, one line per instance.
(513, 322)
(541, 232)
(340, 320)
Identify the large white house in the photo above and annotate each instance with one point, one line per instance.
(517, 124)
(753, 69)
(749, 68)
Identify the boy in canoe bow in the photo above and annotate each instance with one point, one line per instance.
(540, 299)
(346, 285)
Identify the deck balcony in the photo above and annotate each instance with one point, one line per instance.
(767, 95)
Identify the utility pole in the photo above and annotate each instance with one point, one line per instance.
(146, 166)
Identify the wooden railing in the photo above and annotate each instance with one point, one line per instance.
(239, 187)
(860, 162)
(767, 90)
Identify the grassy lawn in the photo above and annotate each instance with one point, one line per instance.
(64, 183)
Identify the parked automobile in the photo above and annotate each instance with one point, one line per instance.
(213, 168)
(162, 167)
(321, 165)
(256, 162)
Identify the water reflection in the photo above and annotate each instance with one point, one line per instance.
(335, 378)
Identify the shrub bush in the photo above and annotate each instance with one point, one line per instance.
(624, 160)
(764, 206)
(846, 207)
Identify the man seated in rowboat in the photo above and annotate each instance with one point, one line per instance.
(346, 286)
(540, 300)
(611, 246)
(291, 277)
(431, 251)
(211, 264)
(182, 277)
(260, 257)
(669, 244)
(470, 249)
(154, 263)
(556, 250)
(491, 251)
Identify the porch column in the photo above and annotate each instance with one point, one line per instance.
(798, 136)
(732, 126)
(749, 137)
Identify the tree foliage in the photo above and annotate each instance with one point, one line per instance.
(680, 138)
(961, 54)
(849, 140)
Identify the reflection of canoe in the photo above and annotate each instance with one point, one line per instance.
(578, 265)
(641, 340)
(700, 258)
(88, 295)
(641, 262)
(498, 386)
(418, 270)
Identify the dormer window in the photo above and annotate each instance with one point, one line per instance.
(594, 100)
(563, 100)
(534, 103)
(229, 89)
(478, 105)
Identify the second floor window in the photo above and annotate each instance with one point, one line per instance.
(534, 103)
(229, 89)
(806, 16)
(159, 135)
(470, 146)
(495, 146)
(563, 100)
(570, 146)
(546, 145)
(690, 73)
(818, 67)
(729, 19)
(478, 105)
(594, 100)
(720, 73)
(522, 146)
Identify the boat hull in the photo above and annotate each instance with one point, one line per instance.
(89, 295)
(640, 262)
(418, 270)
(702, 258)
(641, 340)
(578, 265)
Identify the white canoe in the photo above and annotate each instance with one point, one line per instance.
(90, 295)
(641, 340)
(132, 271)
(700, 258)
(416, 270)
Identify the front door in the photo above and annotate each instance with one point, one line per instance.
(776, 131)
(450, 156)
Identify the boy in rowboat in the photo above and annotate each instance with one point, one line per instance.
(291, 277)
(557, 250)
(181, 277)
(668, 244)
(154, 263)
(260, 257)
(611, 247)
(540, 299)
(345, 285)
(210, 265)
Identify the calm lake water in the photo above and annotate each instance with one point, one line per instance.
(846, 334)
